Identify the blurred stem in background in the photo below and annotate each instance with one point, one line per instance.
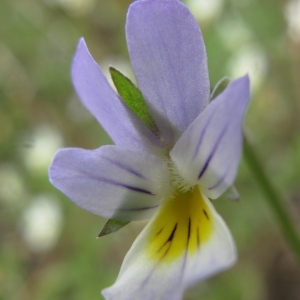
(273, 197)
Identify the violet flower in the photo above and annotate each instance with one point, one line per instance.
(168, 174)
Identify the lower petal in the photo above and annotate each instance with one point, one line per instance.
(186, 241)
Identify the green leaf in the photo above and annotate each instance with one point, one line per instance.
(274, 198)
(133, 98)
(112, 226)
(220, 87)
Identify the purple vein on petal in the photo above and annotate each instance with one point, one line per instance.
(220, 180)
(151, 273)
(139, 208)
(211, 155)
(202, 136)
(186, 249)
(218, 183)
(124, 167)
(113, 182)
(135, 189)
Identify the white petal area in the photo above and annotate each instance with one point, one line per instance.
(169, 59)
(209, 151)
(111, 181)
(143, 276)
(96, 94)
(218, 254)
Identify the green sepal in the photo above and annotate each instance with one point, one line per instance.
(232, 194)
(112, 226)
(220, 87)
(133, 98)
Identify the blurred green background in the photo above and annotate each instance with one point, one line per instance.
(48, 245)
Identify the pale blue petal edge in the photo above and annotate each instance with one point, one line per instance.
(99, 98)
(111, 181)
(169, 60)
(209, 151)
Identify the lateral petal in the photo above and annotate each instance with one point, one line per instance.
(99, 98)
(162, 35)
(184, 242)
(209, 151)
(112, 182)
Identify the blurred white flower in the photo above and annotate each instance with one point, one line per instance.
(205, 10)
(247, 56)
(41, 148)
(234, 33)
(12, 188)
(41, 223)
(249, 59)
(292, 15)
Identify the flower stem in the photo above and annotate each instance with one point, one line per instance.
(273, 198)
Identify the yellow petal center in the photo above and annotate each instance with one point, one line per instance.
(183, 224)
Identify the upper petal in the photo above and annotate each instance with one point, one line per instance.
(103, 103)
(111, 181)
(169, 60)
(209, 151)
(184, 242)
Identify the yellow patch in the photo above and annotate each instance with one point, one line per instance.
(183, 223)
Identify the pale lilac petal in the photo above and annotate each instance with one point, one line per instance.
(169, 60)
(209, 151)
(111, 181)
(142, 278)
(103, 103)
